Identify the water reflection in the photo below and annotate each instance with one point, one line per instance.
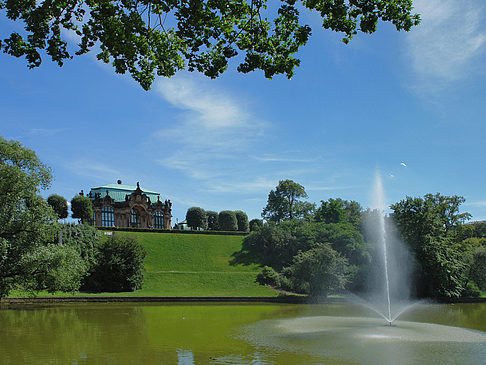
(196, 334)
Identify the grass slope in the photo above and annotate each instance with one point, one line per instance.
(195, 265)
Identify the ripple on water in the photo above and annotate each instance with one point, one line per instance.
(369, 340)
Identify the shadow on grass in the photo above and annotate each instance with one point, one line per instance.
(244, 257)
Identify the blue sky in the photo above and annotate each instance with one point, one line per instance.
(411, 105)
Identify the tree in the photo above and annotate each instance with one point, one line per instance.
(283, 202)
(119, 266)
(429, 226)
(213, 222)
(59, 204)
(151, 37)
(82, 208)
(339, 211)
(255, 224)
(196, 218)
(433, 215)
(317, 271)
(28, 224)
(478, 268)
(242, 221)
(227, 221)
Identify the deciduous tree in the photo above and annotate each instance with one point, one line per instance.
(28, 224)
(196, 218)
(59, 204)
(153, 37)
(82, 207)
(242, 221)
(213, 222)
(284, 202)
(227, 221)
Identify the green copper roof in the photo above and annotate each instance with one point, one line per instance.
(119, 191)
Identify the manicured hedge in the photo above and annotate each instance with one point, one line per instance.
(130, 229)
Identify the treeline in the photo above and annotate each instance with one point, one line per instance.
(318, 250)
(226, 220)
(38, 253)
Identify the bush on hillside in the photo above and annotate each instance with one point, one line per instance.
(255, 224)
(119, 266)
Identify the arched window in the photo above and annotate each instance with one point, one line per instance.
(134, 219)
(158, 220)
(107, 217)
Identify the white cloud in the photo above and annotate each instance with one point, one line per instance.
(214, 132)
(476, 203)
(255, 186)
(448, 40)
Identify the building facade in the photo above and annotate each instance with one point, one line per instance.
(118, 205)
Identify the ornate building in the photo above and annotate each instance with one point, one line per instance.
(117, 205)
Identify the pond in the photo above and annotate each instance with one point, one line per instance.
(218, 333)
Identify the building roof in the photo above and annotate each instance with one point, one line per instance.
(119, 191)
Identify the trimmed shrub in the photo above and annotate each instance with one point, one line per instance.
(227, 221)
(213, 221)
(59, 204)
(196, 218)
(82, 207)
(242, 221)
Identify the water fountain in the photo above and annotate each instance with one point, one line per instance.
(343, 337)
(388, 283)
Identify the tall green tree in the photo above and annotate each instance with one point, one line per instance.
(196, 218)
(429, 226)
(242, 221)
(339, 211)
(59, 204)
(433, 215)
(28, 224)
(152, 37)
(82, 208)
(284, 202)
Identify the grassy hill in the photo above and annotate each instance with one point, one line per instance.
(195, 265)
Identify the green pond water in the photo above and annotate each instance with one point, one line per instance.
(240, 334)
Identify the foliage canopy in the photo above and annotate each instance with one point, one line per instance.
(153, 37)
(28, 227)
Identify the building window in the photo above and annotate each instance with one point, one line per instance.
(158, 220)
(134, 219)
(107, 217)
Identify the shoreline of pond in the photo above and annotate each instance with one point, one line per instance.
(151, 299)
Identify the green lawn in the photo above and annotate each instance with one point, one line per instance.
(196, 265)
(190, 265)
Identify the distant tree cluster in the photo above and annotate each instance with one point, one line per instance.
(226, 220)
(317, 251)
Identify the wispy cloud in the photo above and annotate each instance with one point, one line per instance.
(448, 40)
(214, 129)
(476, 203)
(254, 186)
